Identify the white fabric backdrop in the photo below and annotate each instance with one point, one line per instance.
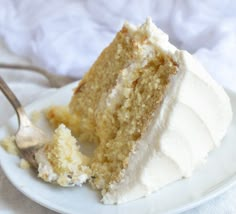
(66, 36)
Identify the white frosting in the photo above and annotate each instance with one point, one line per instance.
(45, 169)
(192, 120)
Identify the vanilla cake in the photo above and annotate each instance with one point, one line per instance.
(60, 160)
(153, 110)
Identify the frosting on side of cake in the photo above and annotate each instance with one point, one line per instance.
(182, 132)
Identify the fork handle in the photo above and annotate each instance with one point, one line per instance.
(14, 101)
(54, 79)
(25, 67)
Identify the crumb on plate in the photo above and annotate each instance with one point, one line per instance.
(8, 143)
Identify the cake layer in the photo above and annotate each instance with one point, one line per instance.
(123, 115)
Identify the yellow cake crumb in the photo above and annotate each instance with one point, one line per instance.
(8, 143)
(24, 164)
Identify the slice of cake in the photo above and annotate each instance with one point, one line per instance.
(153, 110)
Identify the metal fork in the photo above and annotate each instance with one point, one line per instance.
(29, 138)
(55, 80)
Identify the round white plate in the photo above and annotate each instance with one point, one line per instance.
(216, 176)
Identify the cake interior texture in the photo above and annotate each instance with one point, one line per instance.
(115, 101)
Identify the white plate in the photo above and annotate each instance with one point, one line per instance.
(216, 176)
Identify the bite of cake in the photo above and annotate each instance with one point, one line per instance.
(153, 111)
(61, 162)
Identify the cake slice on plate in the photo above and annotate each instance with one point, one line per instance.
(153, 111)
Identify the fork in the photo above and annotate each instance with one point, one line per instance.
(29, 139)
(55, 80)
